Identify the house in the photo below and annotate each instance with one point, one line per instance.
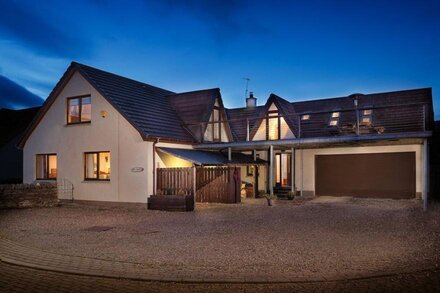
(108, 135)
(12, 125)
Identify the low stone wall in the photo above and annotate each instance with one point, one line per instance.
(28, 195)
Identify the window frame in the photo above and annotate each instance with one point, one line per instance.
(334, 118)
(367, 114)
(218, 122)
(46, 173)
(305, 117)
(97, 164)
(268, 117)
(80, 98)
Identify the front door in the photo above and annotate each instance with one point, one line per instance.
(282, 169)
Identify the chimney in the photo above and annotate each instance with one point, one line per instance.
(251, 102)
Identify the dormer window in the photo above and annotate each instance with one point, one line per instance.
(334, 119)
(216, 124)
(273, 125)
(79, 110)
(367, 116)
(305, 117)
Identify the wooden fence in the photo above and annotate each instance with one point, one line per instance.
(213, 184)
(175, 181)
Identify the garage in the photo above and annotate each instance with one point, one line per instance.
(378, 175)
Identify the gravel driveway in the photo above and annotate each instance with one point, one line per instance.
(326, 237)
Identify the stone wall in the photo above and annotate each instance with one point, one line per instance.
(28, 195)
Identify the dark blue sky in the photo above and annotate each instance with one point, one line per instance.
(298, 50)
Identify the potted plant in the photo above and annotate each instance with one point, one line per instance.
(270, 199)
(291, 195)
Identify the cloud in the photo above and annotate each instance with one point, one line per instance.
(223, 18)
(14, 96)
(25, 23)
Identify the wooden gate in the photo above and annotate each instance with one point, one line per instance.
(213, 184)
(218, 184)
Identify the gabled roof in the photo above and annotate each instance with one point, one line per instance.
(145, 107)
(194, 109)
(181, 117)
(238, 120)
(285, 108)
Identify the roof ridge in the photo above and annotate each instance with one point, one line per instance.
(369, 94)
(80, 65)
(196, 91)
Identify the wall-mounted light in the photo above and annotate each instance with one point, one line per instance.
(103, 114)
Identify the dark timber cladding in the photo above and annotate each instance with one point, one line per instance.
(381, 175)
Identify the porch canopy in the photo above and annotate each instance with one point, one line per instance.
(212, 158)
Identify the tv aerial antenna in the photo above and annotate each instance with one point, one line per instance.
(247, 86)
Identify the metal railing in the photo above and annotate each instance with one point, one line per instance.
(383, 119)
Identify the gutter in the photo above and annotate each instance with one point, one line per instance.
(296, 142)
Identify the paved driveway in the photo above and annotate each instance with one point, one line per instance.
(326, 238)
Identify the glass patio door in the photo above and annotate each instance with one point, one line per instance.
(282, 170)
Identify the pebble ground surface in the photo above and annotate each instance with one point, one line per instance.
(334, 244)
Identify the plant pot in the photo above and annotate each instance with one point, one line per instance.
(290, 197)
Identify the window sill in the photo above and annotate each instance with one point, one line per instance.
(78, 123)
(96, 181)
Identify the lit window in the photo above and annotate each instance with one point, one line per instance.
(97, 165)
(366, 119)
(333, 122)
(367, 116)
(334, 119)
(216, 124)
(46, 167)
(273, 125)
(367, 112)
(79, 110)
(305, 117)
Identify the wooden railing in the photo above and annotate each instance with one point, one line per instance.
(212, 184)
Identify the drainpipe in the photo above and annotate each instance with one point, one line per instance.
(292, 170)
(425, 175)
(154, 166)
(302, 172)
(271, 170)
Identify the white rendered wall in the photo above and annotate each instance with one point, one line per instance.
(112, 133)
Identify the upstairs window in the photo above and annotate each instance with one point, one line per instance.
(367, 116)
(46, 167)
(273, 125)
(79, 110)
(334, 119)
(216, 124)
(305, 117)
(97, 166)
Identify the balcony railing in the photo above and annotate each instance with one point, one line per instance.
(383, 119)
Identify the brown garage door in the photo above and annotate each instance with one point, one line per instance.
(384, 175)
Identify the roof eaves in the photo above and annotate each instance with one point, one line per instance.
(47, 103)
